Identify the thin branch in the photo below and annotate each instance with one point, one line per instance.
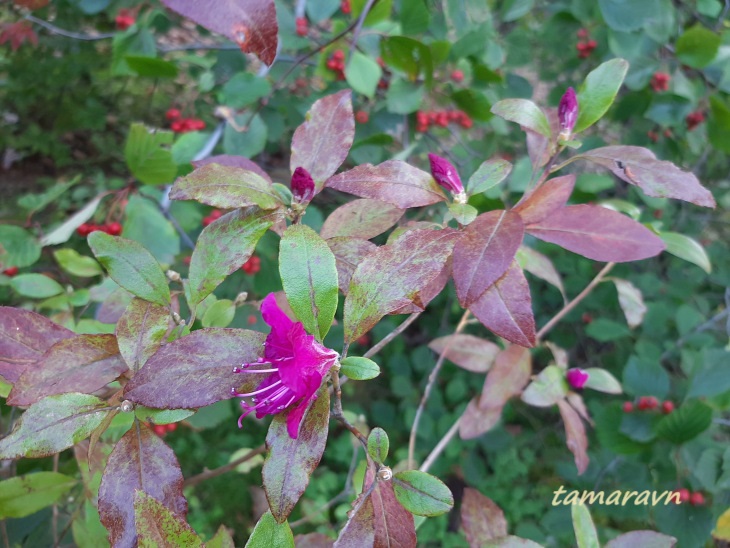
(337, 413)
(68, 34)
(440, 446)
(392, 335)
(358, 27)
(572, 304)
(195, 480)
(709, 324)
(429, 386)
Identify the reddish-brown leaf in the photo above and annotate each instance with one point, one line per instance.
(645, 539)
(545, 199)
(481, 518)
(428, 293)
(322, 142)
(393, 524)
(638, 166)
(24, 338)
(506, 308)
(359, 531)
(394, 181)
(113, 306)
(140, 331)
(476, 421)
(576, 401)
(575, 434)
(313, 540)
(467, 351)
(140, 461)
(598, 233)
(484, 253)
(249, 23)
(540, 266)
(539, 147)
(82, 364)
(361, 219)
(509, 375)
(233, 161)
(196, 370)
(349, 252)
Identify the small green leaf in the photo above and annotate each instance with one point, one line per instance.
(359, 369)
(408, 56)
(490, 174)
(463, 213)
(698, 46)
(243, 89)
(76, 264)
(219, 314)
(131, 266)
(422, 494)
(378, 445)
(18, 247)
(585, 530)
(24, 495)
(602, 381)
(268, 533)
(151, 67)
(162, 416)
(686, 248)
(685, 423)
(547, 388)
(523, 112)
(363, 74)
(35, 286)
(474, 103)
(598, 92)
(146, 158)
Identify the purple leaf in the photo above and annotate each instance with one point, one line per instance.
(140, 332)
(467, 351)
(349, 252)
(481, 519)
(204, 360)
(140, 461)
(484, 253)
(540, 148)
(476, 421)
(361, 219)
(393, 524)
(550, 196)
(645, 539)
(393, 181)
(322, 142)
(313, 540)
(233, 161)
(291, 462)
(575, 434)
(157, 525)
(506, 308)
(660, 179)
(428, 293)
(359, 531)
(84, 364)
(540, 266)
(24, 338)
(598, 233)
(249, 23)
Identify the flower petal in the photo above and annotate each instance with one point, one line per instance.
(277, 341)
(303, 375)
(294, 418)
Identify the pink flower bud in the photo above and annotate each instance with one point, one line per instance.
(302, 185)
(568, 111)
(577, 378)
(445, 174)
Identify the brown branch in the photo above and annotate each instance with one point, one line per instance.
(195, 480)
(392, 335)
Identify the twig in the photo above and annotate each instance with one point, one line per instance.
(358, 27)
(68, 34)
(699, 329)
(195, 480)
(392, 335)
(337, 413)
(440, 446)
(572, 304)
(429, 386)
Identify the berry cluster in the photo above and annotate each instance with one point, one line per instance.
(694, 119)
(362, 117)
(660, 81)
(252, 266)
(585, 45)
(654, 136)
(302, 26)
(113, 229)
(215, 214)
(425, 119)
(162, 429)
(695, 499)
(183, 125)
(336, 63)
(124, 19)
(11, 271)
(648, 403)
(346, 7)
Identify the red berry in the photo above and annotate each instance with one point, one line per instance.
(159, 429)
(207, 221)
(171, 427)
(457, 76)
(11, 271)
(586, 318)
(331, 64)
(694, 119)
(363, 340)
(582, 33)
(652, 402)
(581, 46)
(668, 133)
(346, 7)
(216, 214)
(648, 402)
(684, 495)
(177, 126)
(338, 55)
(186, 260)
(124, 20)
(442, 119)
(301, 26)
(696, 499)
(653, 136)
(252, 319)
(591, 44)
(660, 81)
(466, 122)
(380, 62)
(114, 229)
(667, 407)
(362, 117)
(83, 230)
(172, 114)
(627, 407)
(383, 84)
(252, 266)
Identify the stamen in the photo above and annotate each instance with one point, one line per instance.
(265, 389)
(255, 370)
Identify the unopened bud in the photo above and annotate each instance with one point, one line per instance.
(567, 113)
(445, 174)
(577, 378)
(172, 276)
(302, 185)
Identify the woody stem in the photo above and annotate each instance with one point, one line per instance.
(337, 413)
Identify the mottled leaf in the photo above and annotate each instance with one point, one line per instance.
(24, 338)
(378, 445)
(131, 266)
(223, 246)
(660, 179)
(631, 301)
(511, 541)
(84, 364)
(422, 494)
(269, 534)
(490, 174)
(140, 461)
(158, 526)
(313, 540)
(467, 351)
(523, 112)
(598, 91)
(309, 277)
(22, 496)
(507, 377)
(322, 142)
(233, 161)
(598, 233)
(226, 187)
(550, 196)
(349, 252)
(484, 253)
(291, 462)
(204, 359)
(391, 277)
(506, 308)
(575, 435)
(394, 182)
(53, 424)
(476, 420)
(481, 518)
(540, 266)
(249, 23)
(140, 332)
(359, 531)
(361, 219)
(585, 530)
(645, 539)
(222, 539)
(547, 388)
(429, 292)
(393, 524)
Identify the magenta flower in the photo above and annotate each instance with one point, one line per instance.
(445, 174)
(297, 366)
(302, 185)
(568, 112)
(577, 378)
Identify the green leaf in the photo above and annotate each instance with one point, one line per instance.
(645, 378)
(490, 174)
(514, 9)
(474, 103)
(162, 416)
(718, 125)
(187, 146)
(602, 381)
(686, 248)
(146, 159)
(76, 264)
(698, 46)
(585, 530)
(685, 423)
(36, 202)
(378, 445)
(547, 388)
(64, 231)
(268, 533)
(157, 525)
(131, 266)
(219, 314)
(403, 97)
(379, 12)
(35, 286)
(628, 15)
(140, 331)
(359, 369)
(597, 93)
(309, 276)
(247, 143)
(711, 378)
(151, 67)
(523, 112)
(24, 495)
(363, 74)
(17, 247)
(604, 330)
(243, 89)
(408, 56)
(414, 17)
(146, 224)
(463, 213)
(422, 494)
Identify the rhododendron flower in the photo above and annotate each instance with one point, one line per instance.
(567, 113)
(302, 185)
(577, 378)
(297, 365)
(446, 175)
